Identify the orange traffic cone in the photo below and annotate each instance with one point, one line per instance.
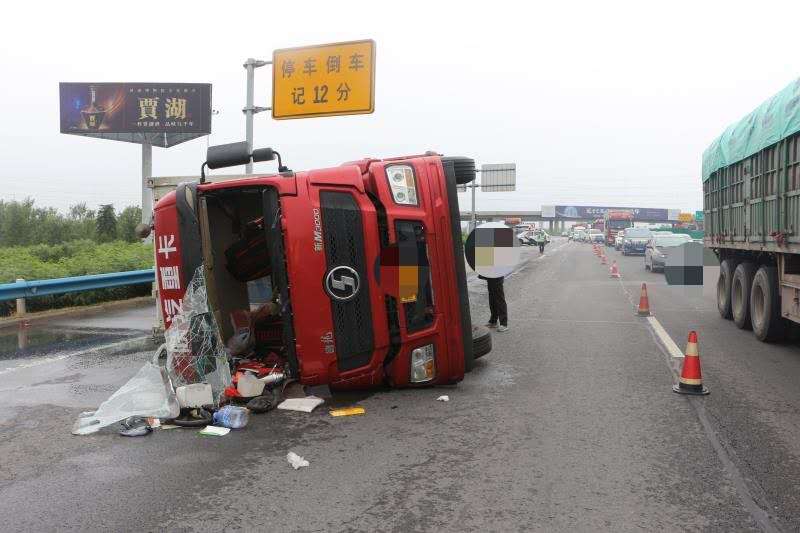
(644, 302)
(614, 270)
(603, 260)
(691, 380)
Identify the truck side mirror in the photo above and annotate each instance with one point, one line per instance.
(263, 154)
(227, 155)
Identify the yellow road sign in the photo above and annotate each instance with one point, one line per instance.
(685, 217)
(321, 80)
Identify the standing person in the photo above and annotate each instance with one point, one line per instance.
(541, 239)
(497, 304)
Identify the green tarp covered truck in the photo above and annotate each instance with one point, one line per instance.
(751, 204)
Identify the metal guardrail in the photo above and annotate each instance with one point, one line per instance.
(43, 287)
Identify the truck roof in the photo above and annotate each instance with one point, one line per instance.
(774, 120)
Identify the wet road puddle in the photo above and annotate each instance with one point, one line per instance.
(28, 341)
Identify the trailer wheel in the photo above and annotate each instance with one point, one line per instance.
(724, 282)
(481, 341)
(765, 305)
(740, 294)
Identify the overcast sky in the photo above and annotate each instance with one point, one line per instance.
(598, 103)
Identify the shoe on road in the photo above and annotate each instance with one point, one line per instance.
(502, 328)
(490, 325)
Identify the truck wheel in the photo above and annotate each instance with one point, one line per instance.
(481, 341)
(464, 168)
(726, 269)
(765, 305)
(740, 294)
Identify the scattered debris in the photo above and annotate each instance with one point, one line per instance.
(232, 416)
(192, 418)
(262, 404)
(146, 394)
(194, 395)
(248, 385)
(443, 398)
(296, 461)
(134, 426)
(348, 411)
(214, 431)
(305, 405)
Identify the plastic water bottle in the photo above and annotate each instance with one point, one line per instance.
(232, 416)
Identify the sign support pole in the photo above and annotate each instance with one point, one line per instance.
(250, 108)
(472, 216)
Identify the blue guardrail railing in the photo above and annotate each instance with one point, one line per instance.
(43, 287)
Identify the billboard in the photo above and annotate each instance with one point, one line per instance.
(107, 109)
(586, 212)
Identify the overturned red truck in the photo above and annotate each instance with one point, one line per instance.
(364, 262)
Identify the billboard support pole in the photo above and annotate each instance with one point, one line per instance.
(147, 176)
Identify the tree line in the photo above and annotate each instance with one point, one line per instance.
(24, 224)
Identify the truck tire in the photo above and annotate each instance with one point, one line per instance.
(740, 294)
(481, 341)
(464, 169)
(765, 305)
(726, 268)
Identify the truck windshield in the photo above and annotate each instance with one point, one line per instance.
(618, 224)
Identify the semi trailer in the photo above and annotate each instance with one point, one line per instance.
(751, 203)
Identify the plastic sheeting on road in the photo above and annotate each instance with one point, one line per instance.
(147, 394)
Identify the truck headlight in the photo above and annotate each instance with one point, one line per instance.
(423, 365)
(403, 184)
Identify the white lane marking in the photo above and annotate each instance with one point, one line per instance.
(37, 362)
(664, 337)
(127, 343)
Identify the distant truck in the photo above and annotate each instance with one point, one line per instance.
(751, 203)
(365, 263)
(614, 222)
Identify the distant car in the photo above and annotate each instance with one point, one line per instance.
(618, 240)
(659, 247)
(525, 239)
(635, 241)
(565, 234)
(596, 236)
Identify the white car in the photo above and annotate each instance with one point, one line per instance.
(596, 236)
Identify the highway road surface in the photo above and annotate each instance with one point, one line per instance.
(570, 424)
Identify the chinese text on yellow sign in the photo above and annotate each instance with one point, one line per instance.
(329, 79)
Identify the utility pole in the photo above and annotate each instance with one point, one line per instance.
(251, 109)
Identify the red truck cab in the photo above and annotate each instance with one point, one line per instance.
(616, 221)
(364, 260)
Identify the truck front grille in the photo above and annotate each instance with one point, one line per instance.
(343, 231)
